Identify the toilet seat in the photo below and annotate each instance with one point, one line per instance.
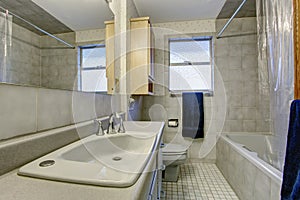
(178, 157)
(174, 149)
(174, 154)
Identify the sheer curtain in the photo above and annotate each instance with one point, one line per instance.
(276, 69)
(5, 44)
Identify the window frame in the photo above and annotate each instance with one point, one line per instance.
(211, 63)
(81, 68)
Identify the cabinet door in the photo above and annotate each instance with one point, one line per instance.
(139, 58)
(110, 56)
(152, 53)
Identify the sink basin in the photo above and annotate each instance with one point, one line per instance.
(110, 160)
(119, 151)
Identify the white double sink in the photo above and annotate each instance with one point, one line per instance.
(115, 160)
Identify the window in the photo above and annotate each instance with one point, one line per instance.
(92, 69)
(191, 66)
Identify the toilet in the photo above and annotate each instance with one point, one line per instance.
(173, 156)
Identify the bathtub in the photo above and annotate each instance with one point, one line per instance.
(240, 157)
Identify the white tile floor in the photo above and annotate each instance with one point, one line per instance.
(200, 181)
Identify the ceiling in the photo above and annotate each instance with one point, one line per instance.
(60, 16)
(248, 9)
(78, 14)
(179, 10)
(34, 14)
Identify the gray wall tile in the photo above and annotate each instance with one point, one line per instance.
(24, 61)
(247, 180)
(54, 108)
(18, 110)
(83, 106)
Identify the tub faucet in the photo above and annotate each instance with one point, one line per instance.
(100, 130)
(111, 126)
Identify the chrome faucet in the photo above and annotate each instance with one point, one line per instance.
(121, 128)
(100, 130)
(111, 126)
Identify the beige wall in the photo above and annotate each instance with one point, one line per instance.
(88, 36)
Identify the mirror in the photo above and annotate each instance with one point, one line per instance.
(69, 59)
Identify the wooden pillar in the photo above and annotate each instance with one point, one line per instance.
(297, 48)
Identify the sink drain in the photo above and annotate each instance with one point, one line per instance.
(47, 163)
(117, 158)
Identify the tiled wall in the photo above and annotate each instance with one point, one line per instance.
(164, 106)
(38, 109)
(247, 180)
(41, 60)
(24, 66)
(236, 83)
(236, 58)
(58, 64)
(28, 110)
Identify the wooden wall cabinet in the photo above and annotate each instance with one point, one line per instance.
(141, 69)
(110, 55)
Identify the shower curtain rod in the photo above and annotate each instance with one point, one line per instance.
(38, 28)
(231, 18)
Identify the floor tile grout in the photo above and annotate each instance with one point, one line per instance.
(199, 181)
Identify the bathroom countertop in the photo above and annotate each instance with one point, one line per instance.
(15, 187)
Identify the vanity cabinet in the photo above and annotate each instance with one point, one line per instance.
(110, 55)
(155, 186)
(141, 69)
(155, 190)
